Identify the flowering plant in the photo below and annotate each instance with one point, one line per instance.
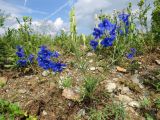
(106, 31)
(23, 59)
(45, 60)
(131, 54)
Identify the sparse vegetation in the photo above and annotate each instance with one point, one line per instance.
(73, 74)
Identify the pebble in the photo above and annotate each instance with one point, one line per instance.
(100, 69)
(124, 98)
(22, 91)
(81, 112)
(135, 79)
(115, 79)
(92, 68)
(110, 87)
(158, 62)
(89, 54)
(90, 61)
(44, 113)
(134, 104)
(125, 90)
(70, 94)
(120, 69)
(45, 73)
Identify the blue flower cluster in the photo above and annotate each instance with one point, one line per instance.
(125, 18)
(23, 59)
(106, 31)
(131, 54)
(45, 60)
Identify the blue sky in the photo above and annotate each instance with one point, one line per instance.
(42, 7)
(56, 12)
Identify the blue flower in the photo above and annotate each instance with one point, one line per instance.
(121, 32)
(44, 63)
(125, 18)
(107, 42)
(22, 63)
(133, 50)
(94, 44)
(20, 52)
(97, 33)
(106, 29)
(131, 54)
(55, 54)
(105, 25)
(44, 52)
(57, 67)
(30, 58)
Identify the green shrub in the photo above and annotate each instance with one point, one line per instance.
(89, 87)
(24, 37)
(112, 111)
(10, 111)
(156, 20)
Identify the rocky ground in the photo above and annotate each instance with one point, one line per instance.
(41, 94)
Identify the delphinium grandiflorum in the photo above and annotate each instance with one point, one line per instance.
(131, 54)
(125, 19)
(106, 32)
(45, 60)
(23, 59)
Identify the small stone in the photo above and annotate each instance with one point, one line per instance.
(81, 112)
(29, 83)
(22, 91)
(28, 77)
(124, 98)
(70, 94)
(89, 54)
(134, 104)
(36, 78)
(110, 87)
(53, 73)
(119, 75)
(120, 69)
(92, 68)
(158, 62)
(135, 79)
(45, 73)
(125, 90)
(44, 113)
(62, 77)
(90, 61)
(100, 69)
(3, 81)
(115, 79)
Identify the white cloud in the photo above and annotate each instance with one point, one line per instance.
(48, 27)
(86, 9)
(40, 26)
(58, 23)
